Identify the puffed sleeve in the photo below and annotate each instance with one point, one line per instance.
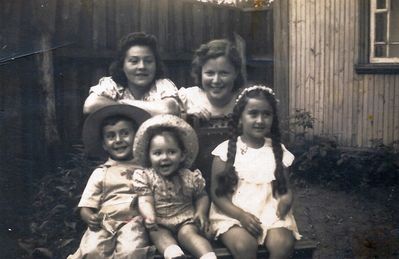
(142, 183)
(182, 94)
(166, 88)
(288, 157)
(221, 151)
(92, 193)
(192, 99)
(107, 87)
(198, 183)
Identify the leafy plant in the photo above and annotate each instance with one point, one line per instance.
(302, 119)
(324, 163)
(299, 124)
(54, 226)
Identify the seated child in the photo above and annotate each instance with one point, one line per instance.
(251, 197)
(172, 198)
(108, 204)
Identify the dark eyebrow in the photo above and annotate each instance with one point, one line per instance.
(135, 56)
(257, 110)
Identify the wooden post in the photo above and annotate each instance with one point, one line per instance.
(45, 71)
(43, 17)
(241, 46)
(281, 58)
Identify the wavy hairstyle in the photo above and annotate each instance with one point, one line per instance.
(214, 49)
(125, 43)
(228, 179)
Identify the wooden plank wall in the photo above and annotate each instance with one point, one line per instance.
(323, 49)
(84, 39)
(94, 28)
(180, 26)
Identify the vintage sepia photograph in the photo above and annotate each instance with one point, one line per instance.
(241, 129)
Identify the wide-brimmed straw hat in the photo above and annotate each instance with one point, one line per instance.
(181, 127)
(92, 132)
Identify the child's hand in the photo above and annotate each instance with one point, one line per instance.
(202, 221)
(91, 218)
(251, 223)
(283, 206)
(200, 112)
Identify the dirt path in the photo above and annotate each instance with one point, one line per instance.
(362, 224)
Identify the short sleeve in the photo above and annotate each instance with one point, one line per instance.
(166, 88)
(106, 87)
(198, 183)
(288, 157)
(221, 151)
(92, 193)
(141, 183)
(182, 94)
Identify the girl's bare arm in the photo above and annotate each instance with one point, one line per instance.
(202, 205)
(251, 223)
(222, 202)
(166, 106)
(285, 201)
(147, 210)
(201, 212)
(94, 102)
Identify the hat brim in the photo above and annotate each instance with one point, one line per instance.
(91, 133)
(183, 129)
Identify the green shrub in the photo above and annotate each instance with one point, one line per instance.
(324, 163)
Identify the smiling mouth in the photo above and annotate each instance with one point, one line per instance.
(259, 128)
(217, 87)
(120, 149)
(165, 167)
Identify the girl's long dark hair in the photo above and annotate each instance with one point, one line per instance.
(228, 179)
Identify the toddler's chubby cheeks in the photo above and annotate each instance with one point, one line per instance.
(118, 139)
(166, 154)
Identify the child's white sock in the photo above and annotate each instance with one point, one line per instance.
(172, 251)
(210, 255)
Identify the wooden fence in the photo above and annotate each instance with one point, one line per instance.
(51, 52)
(180, 26)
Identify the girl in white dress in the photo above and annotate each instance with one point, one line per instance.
(249, 187)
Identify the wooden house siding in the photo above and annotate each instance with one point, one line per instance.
(323, 49)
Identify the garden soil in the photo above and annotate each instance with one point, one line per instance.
(361, 224)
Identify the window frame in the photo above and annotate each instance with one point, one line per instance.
(373, 11)
(363, 65)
